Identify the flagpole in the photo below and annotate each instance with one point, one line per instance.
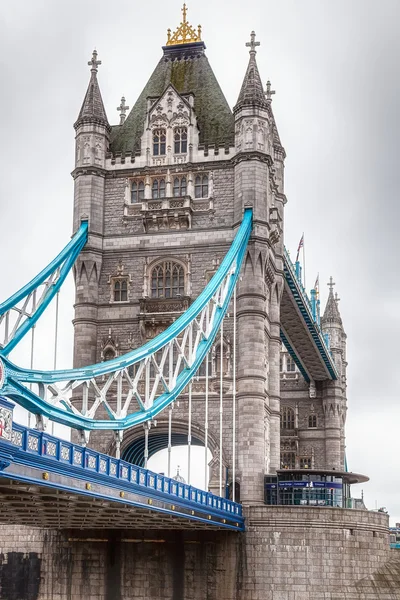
(304, 263)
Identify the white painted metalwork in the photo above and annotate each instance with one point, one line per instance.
(206, 429)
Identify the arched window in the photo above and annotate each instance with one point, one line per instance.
(137, 191)
(159, 139)
(281, 363)
(158, 189)
(312, 421)
(179, 186)
(287, 417)
(120, 290)
(180, 140)
(201, 186)
(167, 280)
(109, 354)
(288, 460)
(202, 369)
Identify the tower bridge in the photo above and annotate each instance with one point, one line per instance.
(192, 326)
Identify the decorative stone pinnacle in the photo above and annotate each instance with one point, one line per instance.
(331, 284)
(94, 63)
(337, 299)
(122, 108)
(252, 44)
(185, 33)
(269, 93)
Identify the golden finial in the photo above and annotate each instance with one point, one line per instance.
(185, 33)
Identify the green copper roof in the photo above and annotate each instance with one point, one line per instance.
(187, 68)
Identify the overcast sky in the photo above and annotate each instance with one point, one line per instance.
(334, 66)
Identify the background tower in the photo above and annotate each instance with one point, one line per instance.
(334, 392)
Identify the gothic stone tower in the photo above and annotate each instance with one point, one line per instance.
(164, 192)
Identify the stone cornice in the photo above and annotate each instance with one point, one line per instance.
(88, 170)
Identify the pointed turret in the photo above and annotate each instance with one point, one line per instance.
(93, 110)
(331, 314)
(251, 93)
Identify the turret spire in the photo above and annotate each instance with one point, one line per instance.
(332, 313)
(93, 108)
(252, 92)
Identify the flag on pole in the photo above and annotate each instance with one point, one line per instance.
(316, 285)
(301, 245)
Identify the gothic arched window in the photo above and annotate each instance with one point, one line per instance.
(202, 369)
(312, 421)
(158, 189)
(225, 363)
(288, 460)
(201, 186)
(287, 417)
(159, 140)
(120, 290)
(180, 140)
(137, 191)
(167, 280)
(179, 186)
(108, 354)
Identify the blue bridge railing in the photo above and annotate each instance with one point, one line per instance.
(67, 458)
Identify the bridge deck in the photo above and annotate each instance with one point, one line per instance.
(49, 482)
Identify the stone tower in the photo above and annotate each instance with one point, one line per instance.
(334, 393)
(164, 192)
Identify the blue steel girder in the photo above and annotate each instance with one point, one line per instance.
(72, 483)
(304, 337)
(183, 347)
(16, 321)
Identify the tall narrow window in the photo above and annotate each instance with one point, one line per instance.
(290, 364)
(312, 421)
(201, 186)
(287, 417)
(159, 139)
(120, 290)
(141, 190)
(167, 280)
(137, 191)
(158, 188)
(179, 186)
(180, 140)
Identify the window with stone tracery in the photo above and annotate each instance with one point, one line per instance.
(180, 140)
(167, 280)
(288, 460)
(120, 290)
(201, 186)
(290, 364)
(180, 186)
(137, 191)
(159, 142)
(108, 354)
(305, 462)
(287, 418)
(158, 188)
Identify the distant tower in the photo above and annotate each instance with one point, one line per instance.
(334, 392)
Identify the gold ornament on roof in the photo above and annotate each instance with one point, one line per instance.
(185, 33)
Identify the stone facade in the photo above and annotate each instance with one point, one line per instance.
(288, 553)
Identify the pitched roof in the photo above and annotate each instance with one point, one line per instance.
(93, 107)
(252, 92)
(186, 67)
(331, 313)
